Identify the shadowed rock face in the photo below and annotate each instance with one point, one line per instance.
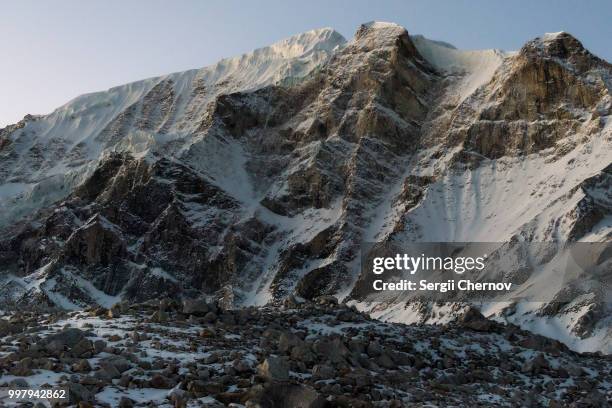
(255, 194)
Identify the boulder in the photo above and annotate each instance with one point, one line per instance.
(159, 381)
(274, 368)
(121, 364)
(197, 307)
(125, 402)
(63, 340)
(535, 365)
(287, 341)
(474, 320)
(159, 316)
(210, 317)
(79, 393)
(82, 348)
(323, 372)
(283, 395)
(303, 352)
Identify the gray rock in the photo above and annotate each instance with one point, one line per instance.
(346, 315)
(99, 346)
(227, 318)
(81, 366)
(274, 368)
(326, 300)
(178, 397)
(5, 327)
(159, 316)
(374, 349)
(284, 395)
(287, 341)
(121, 364)
(333, 350)
(107, 373)
(83, 347)
(535, 364)
(210, 317)
(19, 382)
(385, 361)
(197, 307)
(165, 304)
(79, 393)
(474, 320)
(357, 346)
(63, 340)
(125, 402)
(159, 381)
(303, 353)
(323, 372)
(241, 366)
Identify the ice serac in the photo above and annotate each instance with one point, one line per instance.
(262, 176)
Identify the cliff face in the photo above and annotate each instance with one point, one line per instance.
(262, 176)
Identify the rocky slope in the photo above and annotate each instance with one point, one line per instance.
(263, 175)
(320, 354)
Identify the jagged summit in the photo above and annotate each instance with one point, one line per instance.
(564, 47)
(549, 39)
(377, 34)
(382, 25)
(325, 39)
(381, 28)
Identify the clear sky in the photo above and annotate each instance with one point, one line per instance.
(54, 51)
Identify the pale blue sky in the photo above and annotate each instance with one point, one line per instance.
(54, 51)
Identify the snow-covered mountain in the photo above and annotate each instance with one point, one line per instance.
(49, 155)
(262, 176)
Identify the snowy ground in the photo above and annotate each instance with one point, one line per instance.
(152, 355)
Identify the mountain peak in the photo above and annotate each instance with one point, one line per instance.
(560, 44)
(554, 36)
(377, 35)
(382, 25)
(381, 30)
(562, 47)
(322, 39)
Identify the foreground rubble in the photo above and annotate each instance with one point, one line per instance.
(310, 354)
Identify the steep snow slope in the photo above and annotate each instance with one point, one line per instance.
(473, 68)
(48, 155)
(493, 202)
